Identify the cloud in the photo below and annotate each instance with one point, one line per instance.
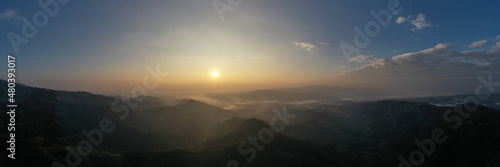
(400, 20)
(8, 14)
(440, 69)
(478, 44)
(498, 38)
(495, 50)
(363, 59)
(324, 43)
(309, 45)
(418, 21)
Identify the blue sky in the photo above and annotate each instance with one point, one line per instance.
(92, 45)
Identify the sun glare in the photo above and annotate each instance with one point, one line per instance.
(215, 74)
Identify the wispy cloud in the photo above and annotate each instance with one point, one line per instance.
(324, 43)
(498, 38)
(495, 49)
(478, 44)
(309, 46)
(418, 21)
(8, 14)
(363, 59)
(400, 20)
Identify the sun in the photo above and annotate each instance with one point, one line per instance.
(215, 74)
